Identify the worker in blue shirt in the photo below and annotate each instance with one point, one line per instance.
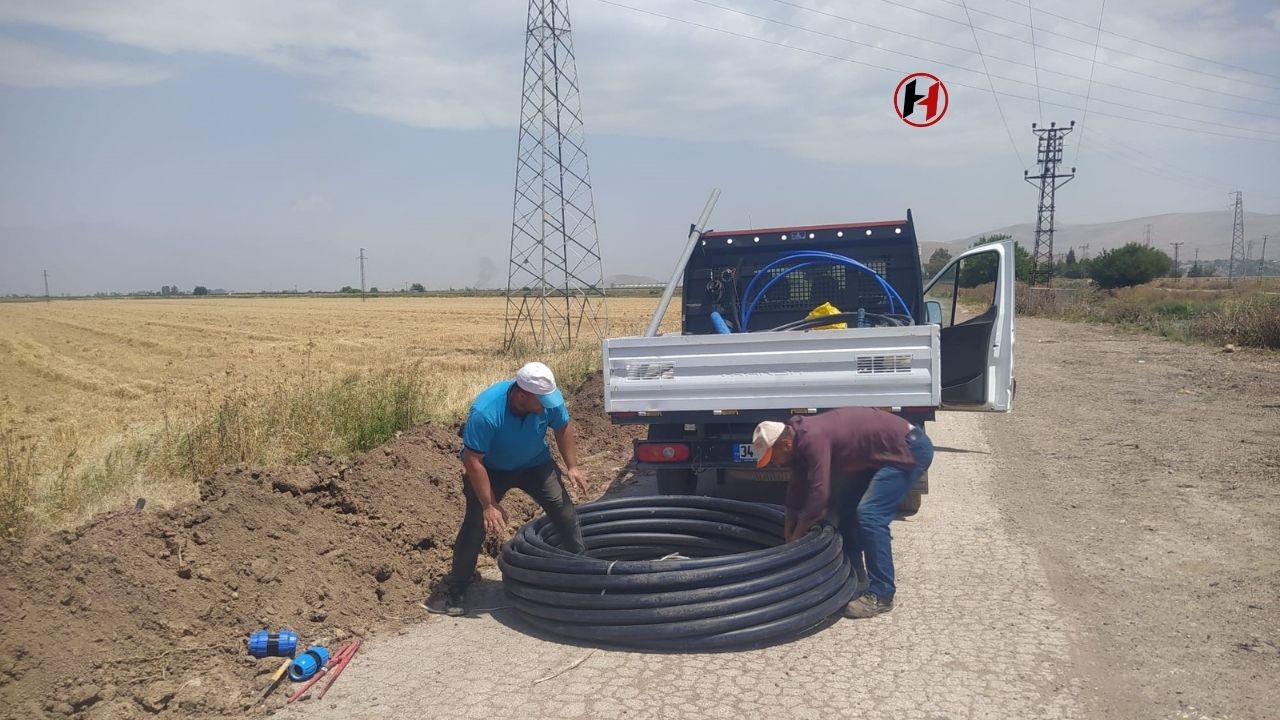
(505, 446)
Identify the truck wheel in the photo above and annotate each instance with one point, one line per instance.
(676, 482)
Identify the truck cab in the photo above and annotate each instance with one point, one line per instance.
(797, 320)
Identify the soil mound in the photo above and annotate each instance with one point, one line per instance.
(138, 613)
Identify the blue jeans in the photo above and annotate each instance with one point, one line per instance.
(870, 504)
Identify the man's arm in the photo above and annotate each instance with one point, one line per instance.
(495, 518)
(817, 487)
(568, 446)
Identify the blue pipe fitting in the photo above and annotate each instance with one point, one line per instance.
(717, 321)
(273, 644)
(308, 663)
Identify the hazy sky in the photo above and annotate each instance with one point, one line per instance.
(249, 144)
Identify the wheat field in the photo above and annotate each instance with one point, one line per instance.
(102, 401)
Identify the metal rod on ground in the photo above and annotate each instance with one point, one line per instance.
(695, 232)
(340, 658)
(337, 670)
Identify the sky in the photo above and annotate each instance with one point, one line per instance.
(254, 145)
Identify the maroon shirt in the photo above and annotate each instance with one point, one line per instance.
(846, 439)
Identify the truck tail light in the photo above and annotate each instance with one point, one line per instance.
(662, 452)
(917, 410)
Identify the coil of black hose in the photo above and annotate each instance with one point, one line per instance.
(732, 582)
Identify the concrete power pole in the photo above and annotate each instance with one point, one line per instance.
(1176, 271)
(1262, 257)
(46, 286)
(1048, 155)
(362, 258)
(1248, 255)
(1237, 238)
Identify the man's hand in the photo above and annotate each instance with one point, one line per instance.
(495, 521)
(796, 531)
(578, 480)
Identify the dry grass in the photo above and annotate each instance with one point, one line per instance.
(1247, 313)
(104, 401)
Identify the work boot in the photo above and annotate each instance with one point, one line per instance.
(448, 601)
(867, 605)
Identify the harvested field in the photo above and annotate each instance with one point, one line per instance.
(104, 401)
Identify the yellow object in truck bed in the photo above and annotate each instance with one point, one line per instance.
(823, 310)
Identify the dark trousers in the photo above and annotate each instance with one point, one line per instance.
(544, 485)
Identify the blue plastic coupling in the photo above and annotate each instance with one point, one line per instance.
(308, 663)
(717, 321)
(273, 644)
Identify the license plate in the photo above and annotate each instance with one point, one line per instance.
(744, 452)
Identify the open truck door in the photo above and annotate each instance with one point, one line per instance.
(976, 343)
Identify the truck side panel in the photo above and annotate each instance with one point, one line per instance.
(874, 367)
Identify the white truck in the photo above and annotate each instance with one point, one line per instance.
(749, 349)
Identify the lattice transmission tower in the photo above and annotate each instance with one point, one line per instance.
(555, 281)
(1237, 239)
(1048, 155)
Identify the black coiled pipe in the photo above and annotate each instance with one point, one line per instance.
(733, 582)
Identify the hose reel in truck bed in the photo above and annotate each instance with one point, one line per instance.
(677, 573)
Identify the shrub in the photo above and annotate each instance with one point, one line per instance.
(1133, 264)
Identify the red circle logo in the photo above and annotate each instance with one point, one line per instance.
(921, 99)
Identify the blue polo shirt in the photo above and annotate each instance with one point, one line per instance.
(507, 441)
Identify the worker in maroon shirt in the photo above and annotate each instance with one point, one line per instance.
(849, 440)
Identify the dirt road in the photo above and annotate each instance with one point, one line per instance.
(1146, 474)
(946, 651)
(1107, 551)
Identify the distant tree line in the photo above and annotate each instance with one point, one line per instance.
(1131, 264)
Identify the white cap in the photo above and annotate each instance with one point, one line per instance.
(763, 438)
(536, 378)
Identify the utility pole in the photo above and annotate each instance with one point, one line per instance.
(1146, 235)
(555, 279)
(1262, 257)
(1176, 271)
(362, 295)
(46, 286)
(1237, 239)
(1048, 155)
(1248, 255)
(1084, 251)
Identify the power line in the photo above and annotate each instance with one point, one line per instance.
(1140, 41)
(1035, 64)
(993, 89)
(1183, 68)
(988, 74)
(1078, 57)
(841, 58)
(990, 56)
(1093, 64)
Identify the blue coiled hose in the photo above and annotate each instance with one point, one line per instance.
(816, 257)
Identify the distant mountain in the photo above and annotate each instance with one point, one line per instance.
(1209, 232)
(616, 280)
